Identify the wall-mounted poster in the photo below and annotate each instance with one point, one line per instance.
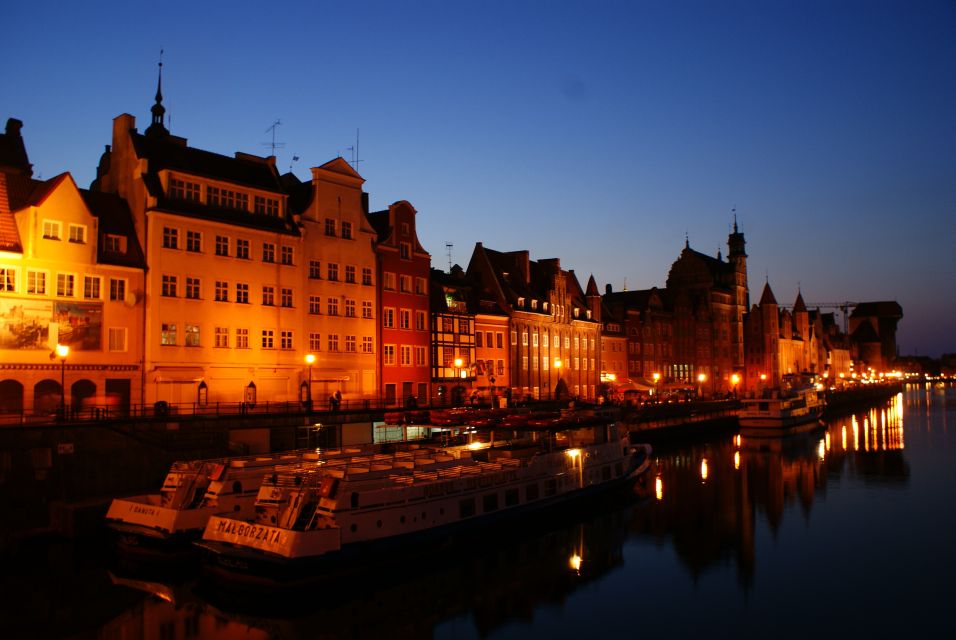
(78, 325)
(25, 324)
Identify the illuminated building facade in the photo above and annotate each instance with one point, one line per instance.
(71, 294)
(455, 367)
(614, 373)
(873, 332)
(405, 331)
(245, 280)
(554, 338)
(648, 327)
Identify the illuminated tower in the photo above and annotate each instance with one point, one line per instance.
(738, 260)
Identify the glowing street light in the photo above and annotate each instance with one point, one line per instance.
(701, 378)
(657, 389)
(734, 381)
(309, 360)
(62, 351)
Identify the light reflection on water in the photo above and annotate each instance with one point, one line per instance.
(731, 536)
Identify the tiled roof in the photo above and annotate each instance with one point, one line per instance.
(9, 236)
(169, 152)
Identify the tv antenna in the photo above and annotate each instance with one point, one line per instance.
(448, 247)
(275, 145)
(355, 152)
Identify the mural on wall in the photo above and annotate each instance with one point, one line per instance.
(25, 324)
(79, 325)
(41, 324)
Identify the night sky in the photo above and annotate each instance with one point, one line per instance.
(598, 132)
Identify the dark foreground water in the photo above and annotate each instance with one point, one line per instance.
(847, 532)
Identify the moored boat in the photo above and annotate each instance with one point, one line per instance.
(782, 410)
(194, 490)
(311, 519)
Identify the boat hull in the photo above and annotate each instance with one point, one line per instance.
(234, 566)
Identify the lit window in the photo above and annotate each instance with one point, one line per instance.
(404, 318)
(389, 354)
(389, 281)
(168, 334)
(405, 283)
(406, 355)
(420, 321)
(192, 335)
(388, 318)
(420, 356)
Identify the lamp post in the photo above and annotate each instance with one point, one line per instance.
(657, 387)
(701, 378)
(62, 351)
(309, 360)
(458, 386)
(734, 380)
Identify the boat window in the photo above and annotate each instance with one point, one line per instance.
(511, 497)
(466, 508)
(489, 503)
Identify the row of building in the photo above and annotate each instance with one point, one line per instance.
(186, 276)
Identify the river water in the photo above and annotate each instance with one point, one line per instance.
(844, 532)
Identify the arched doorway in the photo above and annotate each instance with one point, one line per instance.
(11, 397)
(79, 391)
(46, 397)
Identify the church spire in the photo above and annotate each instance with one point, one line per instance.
(158, 110)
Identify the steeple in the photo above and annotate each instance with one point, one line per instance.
(158, 110)
(736, 242)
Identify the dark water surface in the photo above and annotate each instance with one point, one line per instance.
(846, 532)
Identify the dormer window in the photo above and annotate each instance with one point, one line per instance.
(545, 305)
(588, 314)
(521, 302)
(114, 244)
(577, 312)
(183, 190)
(266, 206)
(534, 304)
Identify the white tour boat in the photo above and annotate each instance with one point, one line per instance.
(192, 492)
(312, 517)
(782, 410)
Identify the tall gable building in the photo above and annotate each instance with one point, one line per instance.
(554, 326)
(243, 280)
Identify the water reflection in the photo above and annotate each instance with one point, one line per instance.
(709, 502)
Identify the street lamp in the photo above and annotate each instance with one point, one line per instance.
(657, 386)
(701, 378)
(735, 380)
(309, 360)
(458, 386)
(62, 351)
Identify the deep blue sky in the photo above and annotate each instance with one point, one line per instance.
(597, 132)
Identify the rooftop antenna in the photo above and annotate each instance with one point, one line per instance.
(355, 152)
(448, 247)
(275, 145)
